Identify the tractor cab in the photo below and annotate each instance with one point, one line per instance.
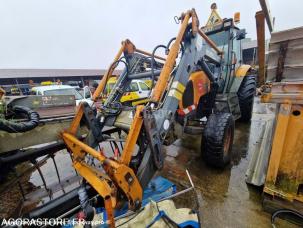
(227, 36)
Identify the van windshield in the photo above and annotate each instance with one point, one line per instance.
(70, 91)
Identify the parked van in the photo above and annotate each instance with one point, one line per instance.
(60, 90)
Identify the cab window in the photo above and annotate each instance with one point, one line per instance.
(143, 86)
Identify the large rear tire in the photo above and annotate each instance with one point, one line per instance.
(217, 139)
(246, 95)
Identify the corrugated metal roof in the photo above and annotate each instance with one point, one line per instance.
(32, 73)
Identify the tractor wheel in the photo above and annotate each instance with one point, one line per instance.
(246, 95)
(217, 139)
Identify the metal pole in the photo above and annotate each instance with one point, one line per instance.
(265, 8)
(260, 23)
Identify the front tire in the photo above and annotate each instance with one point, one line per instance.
(217, 139)
(246, 96)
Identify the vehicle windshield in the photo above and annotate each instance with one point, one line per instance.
(220, 38)
(67, 91)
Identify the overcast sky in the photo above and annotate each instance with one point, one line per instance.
(88, 33)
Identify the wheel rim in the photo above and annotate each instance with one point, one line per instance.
(227, 142)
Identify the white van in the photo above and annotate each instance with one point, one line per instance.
(60, 90)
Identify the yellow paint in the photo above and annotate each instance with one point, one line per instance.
(45, 83)
(130, 97)
(179, 86)
(213, 19)
(175, 93)
(143, 101)
(132, 136)
(242, 70)
(117, 171)
(100, 185)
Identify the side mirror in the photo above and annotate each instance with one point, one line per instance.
(241, 34)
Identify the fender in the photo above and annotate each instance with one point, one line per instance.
(200, 85)
(242, 70)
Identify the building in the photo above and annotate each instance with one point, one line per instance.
(250, 51)
(22, 79)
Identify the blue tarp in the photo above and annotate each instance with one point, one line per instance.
(157, 189)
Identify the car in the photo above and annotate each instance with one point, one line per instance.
(50, 90)
(137, 93)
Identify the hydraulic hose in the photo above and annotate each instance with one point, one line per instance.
(15, 127)
(169, 43)
(152, 63)
(116, 63)
(206, 69)
(166, 52)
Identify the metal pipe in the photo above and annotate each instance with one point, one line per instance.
(43, 179)
(144, 75)
(31, 154)
(25, 172)
(56, 168)
(88, 149)
(149, 54)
